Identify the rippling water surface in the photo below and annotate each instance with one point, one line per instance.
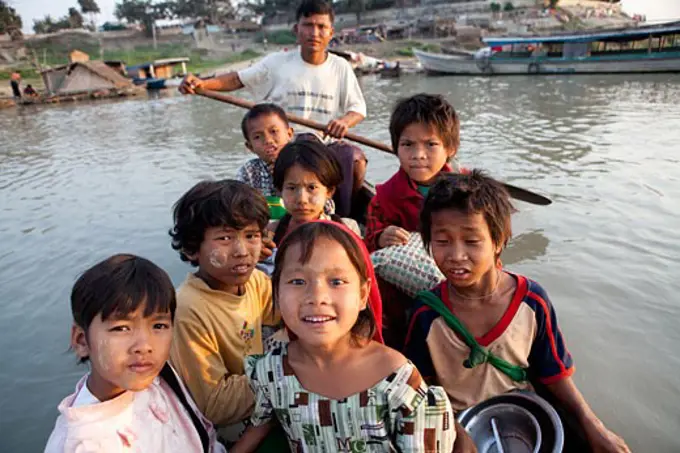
(81, 182)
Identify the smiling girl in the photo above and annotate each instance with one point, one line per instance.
(123, 310)
(332, 388)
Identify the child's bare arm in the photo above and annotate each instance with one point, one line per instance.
(252, 438)
(464, 443)
(601, 439)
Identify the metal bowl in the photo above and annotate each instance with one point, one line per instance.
(504, 428)
(550, 426)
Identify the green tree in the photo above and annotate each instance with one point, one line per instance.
(90, 8)
(268, 9)
(50, 25)
(495, 7)
(358, 7)
(508, 6)
(10, 21)
(44, 25)
(75, 18)
(553, 3)
(215, 11)
(132, 11)
(143, 12)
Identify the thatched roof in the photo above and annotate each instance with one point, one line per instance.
(69, 78)
(98, 67)
(106, 72)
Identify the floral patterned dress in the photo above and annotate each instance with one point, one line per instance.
(400, 413)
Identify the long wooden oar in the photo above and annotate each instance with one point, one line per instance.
(514, 191)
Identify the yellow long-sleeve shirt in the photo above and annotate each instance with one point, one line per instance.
(214, 331)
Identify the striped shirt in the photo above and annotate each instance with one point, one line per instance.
(399, 413)
(527, 335)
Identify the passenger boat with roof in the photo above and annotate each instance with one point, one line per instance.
(646, 49)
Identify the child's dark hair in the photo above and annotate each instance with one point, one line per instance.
(430, 109)
(474, 192)
(307, 236)
(208, 204)
(260, 110)
(311, 7)
(119, 285)
(312, 156)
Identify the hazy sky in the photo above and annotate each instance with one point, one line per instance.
(36, 9)
(654, 9)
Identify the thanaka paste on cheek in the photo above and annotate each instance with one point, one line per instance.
(217, 258)
(105, 355)
(317, 201)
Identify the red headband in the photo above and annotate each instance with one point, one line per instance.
(374, 300)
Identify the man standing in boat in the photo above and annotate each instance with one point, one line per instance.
(308, 82)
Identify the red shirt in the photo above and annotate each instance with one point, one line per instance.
(397, 202)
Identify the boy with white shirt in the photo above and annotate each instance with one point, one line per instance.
(307, 82)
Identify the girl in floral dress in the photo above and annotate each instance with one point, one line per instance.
(332, 388)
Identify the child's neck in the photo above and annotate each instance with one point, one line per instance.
(101, 389)
(326, 356)
(217, 285)
(294, 223)
(481, 293)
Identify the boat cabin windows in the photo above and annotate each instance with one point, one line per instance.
(649, 44)
(575, 50)
(529, 50)
(582, 45)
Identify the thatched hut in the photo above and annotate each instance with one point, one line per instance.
(82, 77)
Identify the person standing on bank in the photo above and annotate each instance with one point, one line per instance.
(307, 82)
(14, 82)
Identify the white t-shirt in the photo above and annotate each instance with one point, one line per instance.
(317, 92)
(85, 397)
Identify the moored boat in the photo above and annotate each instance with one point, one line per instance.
(156, 74)
(653, 48)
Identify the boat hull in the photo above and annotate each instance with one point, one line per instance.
(460, 65)
(155, 84)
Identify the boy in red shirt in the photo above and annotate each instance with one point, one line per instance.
(425, 132)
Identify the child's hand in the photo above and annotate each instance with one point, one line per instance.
(602, 440)
(268, 247)
(190, 84)
(393, 235)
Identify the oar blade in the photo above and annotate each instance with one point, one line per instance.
(526, 195)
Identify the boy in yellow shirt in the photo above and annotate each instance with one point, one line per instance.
(222, 307)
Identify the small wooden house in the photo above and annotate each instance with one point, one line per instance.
(78, 57)
(82, 77)
(159, 69)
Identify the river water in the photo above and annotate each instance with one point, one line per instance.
(81, 182)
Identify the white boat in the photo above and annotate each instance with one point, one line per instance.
(642, 49)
